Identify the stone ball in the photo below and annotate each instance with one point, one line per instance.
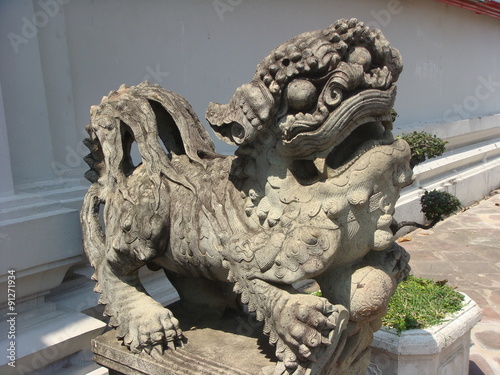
(302, 95)
(361, 56)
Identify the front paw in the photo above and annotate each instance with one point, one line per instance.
(147, 325)
(303, 323)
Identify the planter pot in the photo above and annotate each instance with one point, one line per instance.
(437, 350)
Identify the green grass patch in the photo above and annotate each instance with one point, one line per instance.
(316, 293)
(420, 303)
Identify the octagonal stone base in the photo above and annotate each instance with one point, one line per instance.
(440, 350)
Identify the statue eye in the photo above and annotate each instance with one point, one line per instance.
(302, 95)
(333, 97)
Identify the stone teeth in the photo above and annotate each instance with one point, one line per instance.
(299, 116)
(264, 205)
(261, 214)
(272, 222)
(319, 117)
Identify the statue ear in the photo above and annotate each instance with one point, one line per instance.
(218, 116)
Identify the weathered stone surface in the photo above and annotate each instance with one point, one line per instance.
(232, 344)
(310, 193)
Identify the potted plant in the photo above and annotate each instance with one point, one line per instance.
(426, 331)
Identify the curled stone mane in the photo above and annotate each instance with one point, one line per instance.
(326, 63)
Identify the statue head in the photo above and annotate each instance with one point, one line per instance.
(314, 91)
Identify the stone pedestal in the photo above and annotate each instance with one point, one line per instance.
(231, 345)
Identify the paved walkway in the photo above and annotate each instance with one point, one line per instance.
(465, 250)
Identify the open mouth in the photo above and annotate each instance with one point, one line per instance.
(360, 123)
(360, 140)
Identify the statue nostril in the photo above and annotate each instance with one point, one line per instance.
(237, 132)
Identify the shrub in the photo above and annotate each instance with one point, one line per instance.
(437, 204)
(424, 146)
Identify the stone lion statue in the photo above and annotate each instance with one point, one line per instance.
(309, 194)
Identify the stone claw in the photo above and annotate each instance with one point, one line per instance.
(329, 308)
(306, 353)
(303, 324)
(325, 341)
(158, 348)
(290, 361)
(150, 326)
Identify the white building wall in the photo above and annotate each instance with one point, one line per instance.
(59, 57)
(205, 49)
(6, 183)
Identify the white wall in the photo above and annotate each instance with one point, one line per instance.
(204, 49)
(208, 48)
(6, 183)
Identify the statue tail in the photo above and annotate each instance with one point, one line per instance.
(162, 124)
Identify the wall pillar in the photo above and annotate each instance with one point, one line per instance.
(6, 183)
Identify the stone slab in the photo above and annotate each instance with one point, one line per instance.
(231, 345)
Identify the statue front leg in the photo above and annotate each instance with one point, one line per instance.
(365, 288)
(300, 325)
